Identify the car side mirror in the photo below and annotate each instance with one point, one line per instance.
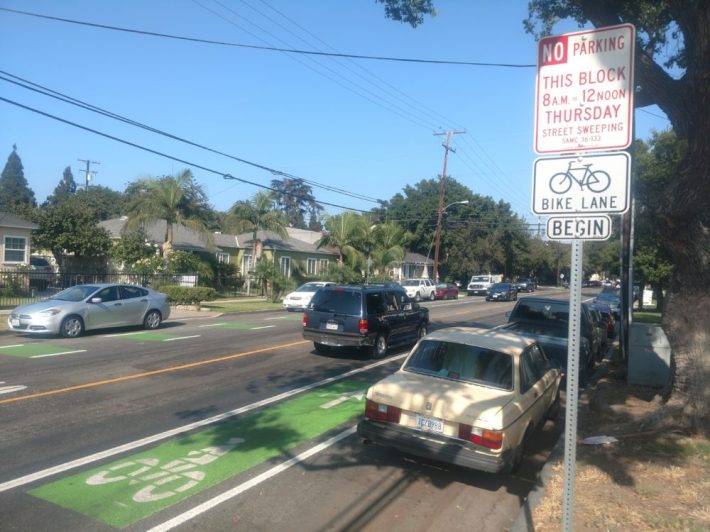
(408, 306)
(95, 300)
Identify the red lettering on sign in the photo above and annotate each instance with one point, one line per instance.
(552, 50)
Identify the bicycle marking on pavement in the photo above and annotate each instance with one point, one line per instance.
(238, 490)
(128, 490)
(37, 350)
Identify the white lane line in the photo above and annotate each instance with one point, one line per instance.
(262, 327)
(277, 318)
(10, 389)
(57, 354)
(16, 345)
(125, 334)
(238, 490)
(181, 338)
(108, 453)
(213, 324)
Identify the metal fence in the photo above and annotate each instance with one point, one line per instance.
(19, 286)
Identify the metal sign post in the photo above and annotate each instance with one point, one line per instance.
(573, 371)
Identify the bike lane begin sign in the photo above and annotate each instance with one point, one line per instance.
(581, 184)
(584, 90)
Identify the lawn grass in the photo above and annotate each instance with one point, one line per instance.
(647, 316)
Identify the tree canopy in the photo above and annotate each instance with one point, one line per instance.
(15, 194)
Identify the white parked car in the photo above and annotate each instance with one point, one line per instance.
(418, 289)
(467, 396)
(301, 297)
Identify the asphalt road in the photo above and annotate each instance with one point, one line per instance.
(225, 423)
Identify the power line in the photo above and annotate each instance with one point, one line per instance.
(87, 106)
(167, 156)
(267, 48)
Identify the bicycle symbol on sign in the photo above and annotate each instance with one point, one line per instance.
(596, 181)
(164, 481)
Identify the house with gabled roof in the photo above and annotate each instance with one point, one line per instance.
(296, 254)
(15, 240)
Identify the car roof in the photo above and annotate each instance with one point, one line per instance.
(494, 339)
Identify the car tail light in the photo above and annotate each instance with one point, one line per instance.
(492, 439)
(382, 412)
(305, 320)
(363, 326)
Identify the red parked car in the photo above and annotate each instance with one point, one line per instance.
(446, 291)
(608, 315)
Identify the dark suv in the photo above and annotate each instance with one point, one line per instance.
(374, 316)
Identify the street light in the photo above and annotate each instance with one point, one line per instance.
(437, 238)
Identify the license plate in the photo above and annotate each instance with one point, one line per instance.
(429, 424)
(15, 323)
(331, 326)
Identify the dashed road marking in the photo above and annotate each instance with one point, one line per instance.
(181, 338)
(61, 353)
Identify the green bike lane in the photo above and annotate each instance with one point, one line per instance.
(127, 490)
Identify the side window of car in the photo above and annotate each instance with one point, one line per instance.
(538, 360)
(130, 292)
(394, 304)
(375, 303)
(528, 371)
(110, 293)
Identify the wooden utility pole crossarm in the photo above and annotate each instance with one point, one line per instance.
(442, 189)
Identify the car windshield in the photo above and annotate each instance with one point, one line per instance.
(500, 286)
(462, 362)
(308, 287)
(76, 293)
(543, 311)
(608, 298)
(479, 279)
(410, 283)
(338, 301)
(442, 285)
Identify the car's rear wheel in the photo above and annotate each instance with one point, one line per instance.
(152, 320)
(71, 327)
(517, 460)
(379, 350)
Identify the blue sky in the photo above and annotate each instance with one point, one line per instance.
(360, 125)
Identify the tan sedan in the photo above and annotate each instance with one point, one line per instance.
(471, 397)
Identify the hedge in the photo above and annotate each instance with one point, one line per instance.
(188, 295)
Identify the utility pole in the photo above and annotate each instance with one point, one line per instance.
(88, 170)
(442, 188)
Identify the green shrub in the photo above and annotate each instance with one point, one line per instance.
(188, 295)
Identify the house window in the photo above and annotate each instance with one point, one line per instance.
(311, 267)
(15, 249)
(222, 257)
(323, 266)
(286, 266)
(246, 264)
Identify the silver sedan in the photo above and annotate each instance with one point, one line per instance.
(96, 306)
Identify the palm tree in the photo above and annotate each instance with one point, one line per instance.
(258, 214)
(169, 198)
(345, 232)
(389, 242)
